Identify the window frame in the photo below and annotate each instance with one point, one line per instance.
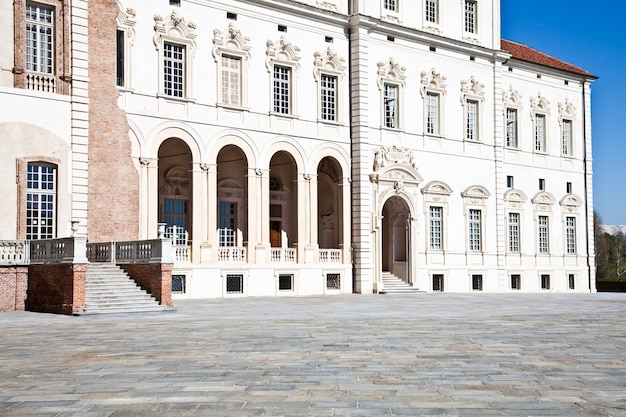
(175, 30)
(391, 74)
(514, 232)
(329, 64)
(470, 17)
(391, 112)
(282, 54)
(543, 234)
(49, 51)
(474, 230)
(231, 44)
(514, 130)
(570, 235)
(567, 143)
(540, 133)
(125, 24)
(174, 70)
(433, 84)
(435, 228)
(430, 110)
(29, 191)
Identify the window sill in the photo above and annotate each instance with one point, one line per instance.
(329, 122)
(176, 99)
(283, 115)
(232, 107)
(434, 135)
(392, 129)
(124, 89)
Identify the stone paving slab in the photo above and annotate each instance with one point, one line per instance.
(404, 355)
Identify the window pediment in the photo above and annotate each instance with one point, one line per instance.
(174, 26)
(329, 61)
(476, 193)
(472, 88)
(437, 188)
(391, 70)
(511, 98)
(515, 196)
(540, 104)
(567, 110)
(283, 51)
(433, 80)
(543, 201)
(230, 40)
(571, 200)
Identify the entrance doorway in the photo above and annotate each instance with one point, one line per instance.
(395, 241)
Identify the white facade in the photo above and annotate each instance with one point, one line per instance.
(306, 147)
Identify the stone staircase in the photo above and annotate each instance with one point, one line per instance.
(394, 285)
(109, 289)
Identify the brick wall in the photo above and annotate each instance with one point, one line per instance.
(113, 180)
(13, 285)
(56, 288)
(155, 278)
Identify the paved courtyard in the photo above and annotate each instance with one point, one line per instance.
(411, 355)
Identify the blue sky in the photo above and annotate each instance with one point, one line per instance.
(592, 38)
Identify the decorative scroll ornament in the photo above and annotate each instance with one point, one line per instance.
(391, 155)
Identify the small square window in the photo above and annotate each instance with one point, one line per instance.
(391, 39)
(179, 284)
(285, 282)
(174, 2)
(231, 16)
(477, 282)
(438, 282)
(432, 49)
(333, 281)
(328, 39)
(282, 28)
(234, 284)
(516, 282)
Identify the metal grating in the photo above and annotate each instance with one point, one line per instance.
(333, 281)
(234, 284)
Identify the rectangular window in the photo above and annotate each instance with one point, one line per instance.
(511, 128)
(431, 11)
(509, 181)
(391, 5)
(514, 237)
(121, 35)
(328, 97)
(390, 105)
(432, 113)
(566, 137)
(227, 224)
(474, 230)
(231, 80)
(438, 282)
(178, 284)
(39, 38)
(543, 234)
(477, 282)
(282, 89)
(471, 128)
(540, 133)
(516, 282)
(545, 282)
(333, 281)
(234, 284)
(568, 187)
(435, 227)
(173, 70)
(470, 16)
(542, 184)
(41, 189)
(571, 281)
(570, 235)
(285, 282)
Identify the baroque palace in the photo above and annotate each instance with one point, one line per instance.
(299, 147)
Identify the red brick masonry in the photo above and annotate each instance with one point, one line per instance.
(13, 285)
(56, 288)
(155, 278)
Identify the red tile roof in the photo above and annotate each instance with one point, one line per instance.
(526, 53)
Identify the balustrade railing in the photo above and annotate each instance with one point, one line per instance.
(182, 253)
(66, 250)
(330, 256)
(14, 252)
(142, 251)
(284, 255)
(231, 254)
(41, 82)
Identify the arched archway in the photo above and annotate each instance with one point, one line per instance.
(329, 204)
(283, 201)
(232, 197)
(395, 244)
(175, 189)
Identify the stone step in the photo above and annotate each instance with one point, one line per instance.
(394, 285)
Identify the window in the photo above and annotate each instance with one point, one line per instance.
(121, 46)
(39, 38)
(470, 16)
(568, 187)
(509, 181)
(234, 284)
(282, 86)
(174, 2)
(571, 281)
(390, 98)
(542, 184)
(333, 281)
(543, 234)
(435, 228)
(511, 128)
(391, 5)
(285, 282)
(540, 134)
(570, 235)
(178, 284)
(514, 237)
(432, 113)
(438, 282)
(431, 11)
(516, 282)
(328, 97)
(477, 282)
(474, 230)
(471, 114)
(173, 70)
(231, 80)
(41, 189)
(566, 137)
(227, 236)
(545, 282)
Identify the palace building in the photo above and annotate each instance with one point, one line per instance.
(300, 147)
